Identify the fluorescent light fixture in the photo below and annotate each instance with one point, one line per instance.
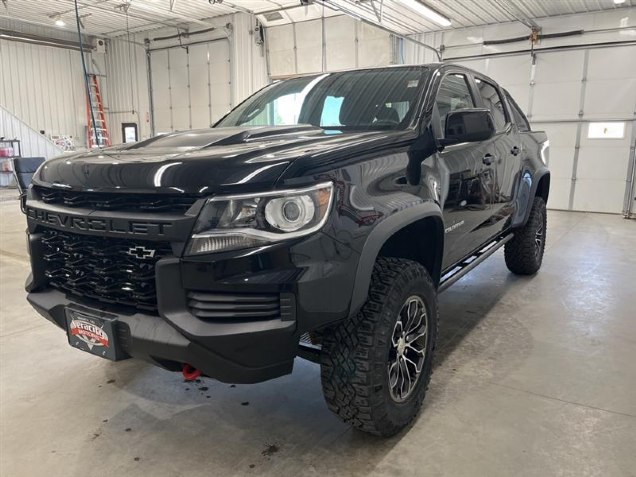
(59, 22)
(427, 12)
(619, 2)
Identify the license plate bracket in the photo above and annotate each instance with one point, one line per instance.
(93, 333)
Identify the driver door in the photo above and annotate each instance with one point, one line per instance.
(467, 180)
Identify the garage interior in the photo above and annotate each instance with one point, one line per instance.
(533, 376)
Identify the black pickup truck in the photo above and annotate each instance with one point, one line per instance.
(319, 218)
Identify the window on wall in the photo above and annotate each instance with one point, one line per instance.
(614, 130)
(492, 100)
(453, 94)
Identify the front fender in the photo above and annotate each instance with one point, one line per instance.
(377, 238)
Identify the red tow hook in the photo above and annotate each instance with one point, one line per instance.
(190, 373)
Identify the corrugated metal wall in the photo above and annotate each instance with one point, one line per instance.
(43, 86)
(126, 82)
(249, 64)
(125, 86)
(32, 143)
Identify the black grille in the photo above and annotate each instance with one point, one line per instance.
(234, 306)
(116, 271)
(124, 202)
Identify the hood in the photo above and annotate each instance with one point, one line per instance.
(202, 161)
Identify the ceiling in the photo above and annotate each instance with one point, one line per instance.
(111, 18)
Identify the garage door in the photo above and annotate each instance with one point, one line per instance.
(190, 85)
(585, 100)
(297, 48)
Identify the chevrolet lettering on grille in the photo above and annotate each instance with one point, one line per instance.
(96, 224)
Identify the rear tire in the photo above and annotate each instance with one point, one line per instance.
(376, 366)
(524, 253)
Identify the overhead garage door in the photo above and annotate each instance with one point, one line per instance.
(564, 93)
(190, 85)
(297, 48)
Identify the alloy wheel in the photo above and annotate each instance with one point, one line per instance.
(408, 348)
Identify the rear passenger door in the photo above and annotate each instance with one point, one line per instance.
(503, 156)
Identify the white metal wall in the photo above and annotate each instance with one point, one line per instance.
(125, 86)
(301, 48)
(562, 92)
(32, 143)
(249, 63)
(191, 88)
(43, 86)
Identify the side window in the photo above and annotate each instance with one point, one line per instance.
(453, 94)
(520, 118)
(492, 100)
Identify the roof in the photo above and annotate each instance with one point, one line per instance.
(111, 18)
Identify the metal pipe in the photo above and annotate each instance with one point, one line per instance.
(150, 100)
(585, 32)
(186, 34)
(630, 191)
(188, 44)
(539, 50)
(10, 35)
(559, 121)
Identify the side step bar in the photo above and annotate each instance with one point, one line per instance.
(307, 350)
(471, 262)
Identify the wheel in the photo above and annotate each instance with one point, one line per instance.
(376, 366)
(524, 253)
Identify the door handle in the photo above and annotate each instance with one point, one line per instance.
(487, 159)
(515, 151)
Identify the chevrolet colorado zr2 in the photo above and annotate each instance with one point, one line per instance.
(319, 218)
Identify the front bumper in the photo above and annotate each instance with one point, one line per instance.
(152, 339)
(315, 276)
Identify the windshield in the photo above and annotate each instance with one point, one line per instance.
(367, 99)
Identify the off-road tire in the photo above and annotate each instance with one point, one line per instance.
(523, 253)
(355, 353)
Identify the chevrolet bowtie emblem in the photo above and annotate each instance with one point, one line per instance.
(141, 252)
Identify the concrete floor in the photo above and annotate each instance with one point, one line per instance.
(534, 377)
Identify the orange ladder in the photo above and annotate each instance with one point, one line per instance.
(98, 135)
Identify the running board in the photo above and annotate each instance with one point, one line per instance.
(466, 265)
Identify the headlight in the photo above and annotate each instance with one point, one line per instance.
(252, 220)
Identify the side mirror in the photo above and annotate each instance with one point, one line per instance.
(468, 125)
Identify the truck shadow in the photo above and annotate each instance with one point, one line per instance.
(283, 427)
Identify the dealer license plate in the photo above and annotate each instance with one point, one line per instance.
(91, 333)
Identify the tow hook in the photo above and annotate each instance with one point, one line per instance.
(190, 373)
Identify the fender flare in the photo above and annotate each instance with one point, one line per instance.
(377, 238)
(523, 212)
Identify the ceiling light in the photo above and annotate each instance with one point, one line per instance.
(59, 22)
(619, 2)
(427, 12)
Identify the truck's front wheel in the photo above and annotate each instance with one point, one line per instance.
(376, 366)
